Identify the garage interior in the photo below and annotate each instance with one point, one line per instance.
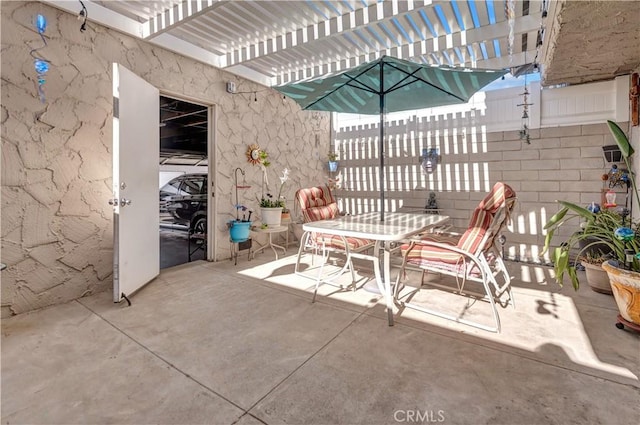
(183, 150)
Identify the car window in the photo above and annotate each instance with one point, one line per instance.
(170, 188)
(192, 186)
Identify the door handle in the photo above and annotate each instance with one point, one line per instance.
(123, 202)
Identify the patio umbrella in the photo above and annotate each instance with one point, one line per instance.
(388, 85)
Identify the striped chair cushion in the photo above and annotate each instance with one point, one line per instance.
(320, 213)
(423, 255)
(314, 197)
(336, 242)
(460, 268)
(441, 238)
(317, 203)
(499, 194)
(473, 239)
(478, 226)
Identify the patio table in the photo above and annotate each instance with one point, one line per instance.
(397, 226)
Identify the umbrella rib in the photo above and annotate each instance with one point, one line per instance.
(398, 86)
(347, 83)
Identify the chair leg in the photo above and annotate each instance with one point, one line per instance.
(486, 276)
(507, 280)
(303, 244)
(315, 291)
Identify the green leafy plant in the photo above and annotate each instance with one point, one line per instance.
(263, 158)
(596, 258)
(606, 228)
(332, 156)
(270, 202)
(599, 231)
(627, 150)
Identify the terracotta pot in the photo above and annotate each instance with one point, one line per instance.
(597, 278)
(626, 291)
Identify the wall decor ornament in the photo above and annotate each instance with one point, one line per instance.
(40, 64)
(429, 160)
(253, 154)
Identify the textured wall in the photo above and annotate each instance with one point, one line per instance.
(560, 163)
(56, 156)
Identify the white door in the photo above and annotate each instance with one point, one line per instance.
(136, 242)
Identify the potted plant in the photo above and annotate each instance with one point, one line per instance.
(612, 229)
(286, 214)
(589, 244)
(240, 227)
(333, 162)
(597, 278)
(271, 208)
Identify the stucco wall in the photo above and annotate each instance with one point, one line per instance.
(56, 156)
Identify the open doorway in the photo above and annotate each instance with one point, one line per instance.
(183, 181)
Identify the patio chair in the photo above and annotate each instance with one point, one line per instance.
(318, 203)
(472, 256)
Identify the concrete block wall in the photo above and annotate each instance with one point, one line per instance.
(56, 156)
(562, 162)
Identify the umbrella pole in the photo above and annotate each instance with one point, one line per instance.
(381, 144)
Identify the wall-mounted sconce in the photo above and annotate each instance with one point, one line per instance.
(429, 160)
(612, 153)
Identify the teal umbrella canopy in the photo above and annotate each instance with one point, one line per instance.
(388, 85)
(402, 85)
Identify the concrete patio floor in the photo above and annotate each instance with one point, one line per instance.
(214, 343)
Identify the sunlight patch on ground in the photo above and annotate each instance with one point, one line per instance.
(546, 324)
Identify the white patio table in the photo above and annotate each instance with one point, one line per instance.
(396, 227)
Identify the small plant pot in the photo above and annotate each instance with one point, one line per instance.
(239, 230)
(597, 278)
(333, 166)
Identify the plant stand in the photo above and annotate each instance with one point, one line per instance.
(622, 322)
(236, 247)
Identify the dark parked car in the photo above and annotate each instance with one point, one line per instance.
(185, 199)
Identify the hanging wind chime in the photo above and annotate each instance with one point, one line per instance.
(510, 14)
(40, 64)
(524, 131)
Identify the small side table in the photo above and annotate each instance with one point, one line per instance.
(270, 231)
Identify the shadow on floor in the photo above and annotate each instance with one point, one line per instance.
(174, 248)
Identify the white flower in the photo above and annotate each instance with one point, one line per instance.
(285, 176)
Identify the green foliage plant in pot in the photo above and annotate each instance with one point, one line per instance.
(598, 230)
(597, 278)
(611, 229)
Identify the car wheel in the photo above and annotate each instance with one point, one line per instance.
(199, 225)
